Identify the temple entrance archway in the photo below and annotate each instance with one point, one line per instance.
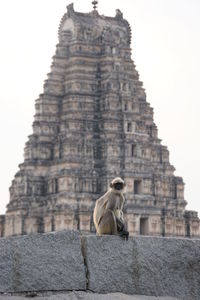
(144, 226)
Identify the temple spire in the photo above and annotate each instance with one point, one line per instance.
(95, 3)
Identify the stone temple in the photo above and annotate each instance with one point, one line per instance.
(93, 123)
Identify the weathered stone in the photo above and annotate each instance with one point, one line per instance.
(87, 296)
(144, 265)
(148, 266)
(42, 262)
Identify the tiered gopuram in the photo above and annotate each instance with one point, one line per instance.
(93, 123)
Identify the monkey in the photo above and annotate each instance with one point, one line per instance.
(108, 214)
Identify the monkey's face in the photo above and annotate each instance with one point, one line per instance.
(118, 186)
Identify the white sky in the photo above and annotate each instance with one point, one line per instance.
(166, 51)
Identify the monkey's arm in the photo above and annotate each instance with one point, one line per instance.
(120, 224)
(121, 202)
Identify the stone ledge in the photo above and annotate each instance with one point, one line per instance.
(86, 296)
(144, 266)
(42, 262)
(67, 261)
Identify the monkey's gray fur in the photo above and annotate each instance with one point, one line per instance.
(108, 214)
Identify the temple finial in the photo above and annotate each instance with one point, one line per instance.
(95, 3)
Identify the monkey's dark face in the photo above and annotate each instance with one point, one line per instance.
(118, 186)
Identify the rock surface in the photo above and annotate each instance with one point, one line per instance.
(87, 296)
(144, 265)
(90, 266)
(42, 262)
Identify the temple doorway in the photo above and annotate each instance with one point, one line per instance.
(144, 226)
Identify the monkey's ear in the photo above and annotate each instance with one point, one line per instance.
(111, 185)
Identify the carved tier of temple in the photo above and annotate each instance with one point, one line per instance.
(93, 123)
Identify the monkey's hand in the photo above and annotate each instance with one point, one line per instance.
(120, 224)
(121, 229)
(124, 234)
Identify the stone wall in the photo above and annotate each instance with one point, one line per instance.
(2, 225)
(67, 261)
(81, 295)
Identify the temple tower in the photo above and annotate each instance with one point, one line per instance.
(93, 123)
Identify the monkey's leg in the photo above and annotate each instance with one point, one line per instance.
(120, 224)
(124, 234)
(121, 228)
(108, 223)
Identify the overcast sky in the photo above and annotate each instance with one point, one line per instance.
(166, 51)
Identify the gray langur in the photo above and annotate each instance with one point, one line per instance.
(108, 214)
